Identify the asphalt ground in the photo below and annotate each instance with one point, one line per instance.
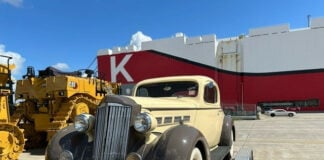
(271, 138)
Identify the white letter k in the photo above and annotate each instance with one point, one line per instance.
(120, 68)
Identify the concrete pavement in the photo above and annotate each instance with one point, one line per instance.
(289, 138)
(271, 138)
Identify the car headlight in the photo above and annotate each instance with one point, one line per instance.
(144, 122)
(84, 122)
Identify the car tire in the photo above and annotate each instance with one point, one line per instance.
(196, 154)
(272, 115)
(230, 155)
(227, 137)
(290, 115)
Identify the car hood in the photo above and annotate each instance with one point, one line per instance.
(166, 102)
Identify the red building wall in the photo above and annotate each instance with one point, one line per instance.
(237, 89)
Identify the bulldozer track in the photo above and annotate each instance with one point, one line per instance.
(63, 117)
(68, 110)
(51, 100)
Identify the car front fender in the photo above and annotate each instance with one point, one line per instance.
(71, 140)
(177, 144)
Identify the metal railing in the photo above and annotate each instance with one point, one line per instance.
(241, 111)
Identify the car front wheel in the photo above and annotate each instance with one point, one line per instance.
(290, 114)
(196, 154)
(272, 115)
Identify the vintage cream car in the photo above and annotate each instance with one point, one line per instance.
(169, 118)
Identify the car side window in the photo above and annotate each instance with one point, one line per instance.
(210, 93)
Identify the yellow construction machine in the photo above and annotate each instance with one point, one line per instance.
(51, 100)
(11, 137)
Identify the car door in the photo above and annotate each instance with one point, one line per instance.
(281, 112)
(210, 113)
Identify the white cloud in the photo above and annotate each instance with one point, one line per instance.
(17, 59)
(61, 66)
(15, 3)
(138, 38)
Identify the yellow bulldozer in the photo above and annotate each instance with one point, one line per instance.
(50, 101)
(11, 137)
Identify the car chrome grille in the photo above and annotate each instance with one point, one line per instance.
(111, 131)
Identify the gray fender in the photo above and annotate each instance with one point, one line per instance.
(227, 128)
(68, 139)
(177, 144)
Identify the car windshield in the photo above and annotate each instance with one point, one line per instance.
(168, 89)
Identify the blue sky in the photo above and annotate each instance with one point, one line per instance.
(68, 33)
